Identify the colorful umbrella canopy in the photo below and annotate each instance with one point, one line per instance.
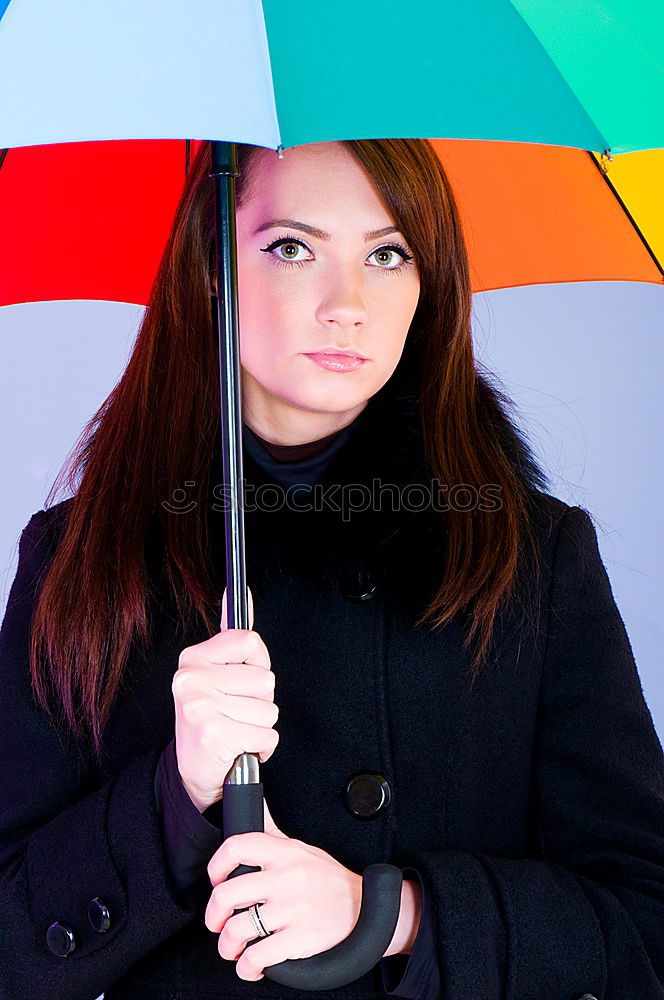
(550, 207)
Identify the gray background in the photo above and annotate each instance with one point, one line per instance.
(583, 363)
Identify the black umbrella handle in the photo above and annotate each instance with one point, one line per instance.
(376, 923)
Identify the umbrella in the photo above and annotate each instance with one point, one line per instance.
(531, 214)
(578, 77)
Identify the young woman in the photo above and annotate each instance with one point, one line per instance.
(435, 636)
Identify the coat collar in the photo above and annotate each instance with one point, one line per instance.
(357, 514)
(385, 441)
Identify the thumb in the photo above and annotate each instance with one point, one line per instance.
(224, 610)
(269, 826)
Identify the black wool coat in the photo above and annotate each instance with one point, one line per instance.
(532, 802)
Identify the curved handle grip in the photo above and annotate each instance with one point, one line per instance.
(376, 923)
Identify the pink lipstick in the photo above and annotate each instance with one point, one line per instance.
(337, 362)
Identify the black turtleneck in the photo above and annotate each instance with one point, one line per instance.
(297, 464)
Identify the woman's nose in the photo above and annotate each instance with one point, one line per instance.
(343, 302)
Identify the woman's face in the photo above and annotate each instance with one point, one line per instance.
(320, 268)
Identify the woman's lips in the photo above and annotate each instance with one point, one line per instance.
(337, 362)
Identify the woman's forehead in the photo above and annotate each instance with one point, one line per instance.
(309, 179)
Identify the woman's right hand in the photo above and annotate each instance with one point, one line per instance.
(224, 706)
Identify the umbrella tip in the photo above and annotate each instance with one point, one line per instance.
(280, 151)
(604, 159)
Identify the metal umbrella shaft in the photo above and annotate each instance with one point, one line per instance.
(243, 790)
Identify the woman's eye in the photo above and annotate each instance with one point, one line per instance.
(391, 258)
(287, 250)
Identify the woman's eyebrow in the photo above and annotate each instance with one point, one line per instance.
(319, 233)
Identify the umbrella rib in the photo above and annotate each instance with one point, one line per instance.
(627, 212)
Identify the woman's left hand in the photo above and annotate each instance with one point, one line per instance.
(309, 901)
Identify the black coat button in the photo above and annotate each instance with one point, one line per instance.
(366, 794)
(60, 939)
(98, 915)
(357, 585)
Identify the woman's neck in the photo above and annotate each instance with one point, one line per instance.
(285, 430)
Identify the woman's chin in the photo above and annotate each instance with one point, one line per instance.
(334, 400)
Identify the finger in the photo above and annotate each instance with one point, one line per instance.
(240, 929)
(236, 894)
(245, 680)
(269, 951)
(234, 737)
(269, 826)
(224, 610)
(250, 849)
(234, 646)
(246, 709)
(249, 680)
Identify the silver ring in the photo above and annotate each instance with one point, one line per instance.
(258, 923)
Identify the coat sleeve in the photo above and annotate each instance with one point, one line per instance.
(67, 841)
(415, 976)
(190, 837)
(585, 914)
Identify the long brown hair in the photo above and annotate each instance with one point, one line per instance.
(162, 417)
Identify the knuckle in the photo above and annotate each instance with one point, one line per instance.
(180, 681)
(184, 658)
(249, 966)
(208, 739)
(254, 643)
(189, 708)
(233, 932)
(230, 845)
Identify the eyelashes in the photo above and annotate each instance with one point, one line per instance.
(406, 258)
